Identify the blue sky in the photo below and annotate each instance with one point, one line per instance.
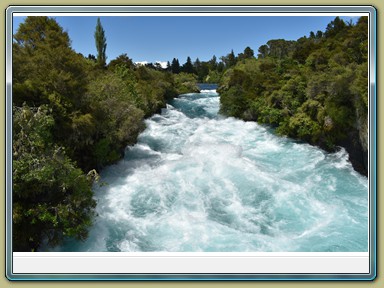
(162, 38)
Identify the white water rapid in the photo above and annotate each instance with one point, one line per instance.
(199, 181)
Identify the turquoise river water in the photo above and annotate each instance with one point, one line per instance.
(197, 181)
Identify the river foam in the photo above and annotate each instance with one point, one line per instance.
(198, 181)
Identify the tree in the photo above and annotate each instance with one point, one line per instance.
(196, 66)
(229, 60)
(47, 71)
(91, 57)
(247, 54)
(197, 63)
(312, 35)
(52, 199)
(123, 60)
(168, 67)
(39, 32)
(213, 63)
(188, 66)
(280, 48)
(302, 48)
(175, 67)
(202, 70)
(336, 26)
(232, 59)
(158, 66)
(101, 44)
(263, 51)
(220, 67)
(319, 34)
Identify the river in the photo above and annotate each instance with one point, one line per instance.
(197, 181)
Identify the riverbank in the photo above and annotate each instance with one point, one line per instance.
(312, 89)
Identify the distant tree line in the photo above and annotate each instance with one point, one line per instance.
(209, 71)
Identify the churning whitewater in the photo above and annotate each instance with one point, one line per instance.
(197, 181)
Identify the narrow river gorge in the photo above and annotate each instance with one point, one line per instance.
(199, 181)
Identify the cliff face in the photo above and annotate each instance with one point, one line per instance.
(362, 126)
(358, 155)
(357, 145)
(357, 142)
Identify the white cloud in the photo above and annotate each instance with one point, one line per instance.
(141, 63)
(163, 64)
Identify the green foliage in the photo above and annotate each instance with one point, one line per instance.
(230, 60)
(122, 61)
(303, 127)
(104, 153)
(213, 77)
(247, 54)
(270, 115)
(101, 43)
(263, 51)
(280, 48)
(48, 72)
(114, 105)
(336, 27)
(186, 83)
(359, 86)
(175, 66)
(202, 71)
(83, 127)
(52, 199)
(233, 102)
(303, 47)
(188, 66)
(318, 60)
(313, 89)
(45, 66)
(205, 71)
(37, 32)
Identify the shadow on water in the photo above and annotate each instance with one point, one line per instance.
(134, 158)
(207, 86)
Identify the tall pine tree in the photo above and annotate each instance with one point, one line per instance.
(175, 66)
(188, 66)
(101, 44)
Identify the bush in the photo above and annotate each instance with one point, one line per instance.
(52, 199)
